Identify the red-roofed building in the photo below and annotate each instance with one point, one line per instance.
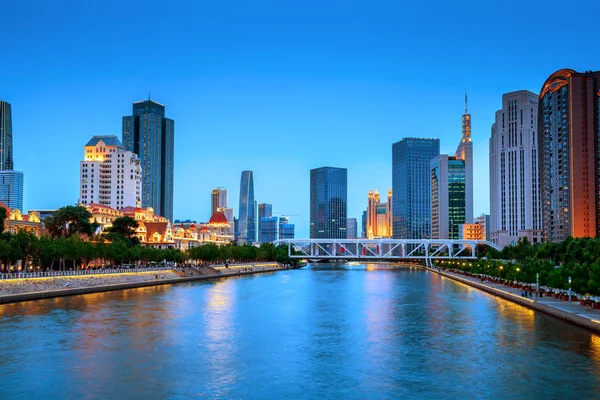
(16, 221)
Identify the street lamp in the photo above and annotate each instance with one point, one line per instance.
(537, 282)
(569, 289)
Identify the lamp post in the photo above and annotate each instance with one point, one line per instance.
(537, 282)
(569, 289)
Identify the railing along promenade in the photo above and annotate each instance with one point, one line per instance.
(56, 274)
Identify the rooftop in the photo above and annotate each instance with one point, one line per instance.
(109, 140)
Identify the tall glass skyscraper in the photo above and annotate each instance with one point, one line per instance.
(328, 194)
(218, 200)
(11, 189)
(247, 212)
(6, 142)
(411, 185)
(448, 196)
(151, 136)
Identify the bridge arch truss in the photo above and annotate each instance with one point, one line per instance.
(384, 249)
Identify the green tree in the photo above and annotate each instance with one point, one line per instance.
(3, 215)
(70, 220)
(124, 228)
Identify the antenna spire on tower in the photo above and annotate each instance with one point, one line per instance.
(466, 104)
(149, 96)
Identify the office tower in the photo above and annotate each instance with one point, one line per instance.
(109, 174)
(247, 212)
(286, 230)
(363, 232)
(411, 185)
(379, 216)
(515, 203)
(328, 193)
(351, 228)
(218, 200)
(268, 229)
(448, 202)
(11, 182)
(568, 137)
(6, 142)
(11, 189)
(264, 211)
(452, 186)
(151, 136)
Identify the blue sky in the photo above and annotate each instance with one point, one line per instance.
(278, 87)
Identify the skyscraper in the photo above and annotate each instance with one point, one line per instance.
(515, 204)
(11, 182)
(109, 175)
(218, 200)
(268, 229)
(6, 142)
(246, 214)
(568, 137)
(351, 228)
(286, 230)
(151, 136)
(11, 189)
(328, 194)
(363, 232)
(264, 211)
(411, 185)
(452, 186)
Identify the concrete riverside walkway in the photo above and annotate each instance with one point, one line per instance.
(572, 312)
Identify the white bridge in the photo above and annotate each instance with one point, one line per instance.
(383, 249)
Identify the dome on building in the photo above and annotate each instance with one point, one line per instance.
(218, 218)
(204, 229)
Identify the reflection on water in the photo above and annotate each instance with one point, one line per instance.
(355, 331)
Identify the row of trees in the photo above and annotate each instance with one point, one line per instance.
(74, 241)
(578, 258)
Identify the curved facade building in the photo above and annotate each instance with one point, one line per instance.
(568, 136)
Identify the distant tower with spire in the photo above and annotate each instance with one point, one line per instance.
(465, 152)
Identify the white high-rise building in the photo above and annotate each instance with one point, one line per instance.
(515, 205)
(109, 174)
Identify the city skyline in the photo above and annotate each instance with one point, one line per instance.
(222, 86)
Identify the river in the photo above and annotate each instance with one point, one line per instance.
(321, 332)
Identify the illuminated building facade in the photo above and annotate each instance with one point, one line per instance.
(379, 216)
(515, 203)
(328, 202)
(17, 221)
(109, 175)
(568, 137)
(150, 135)
(247, 212)
(411, 184)
(478, 230)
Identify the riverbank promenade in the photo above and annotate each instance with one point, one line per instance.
(24, 289)
(572, 312)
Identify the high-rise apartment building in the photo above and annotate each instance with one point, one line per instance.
(328, 203)
(218, 200)
(109, 174)
(6, 142)
(478, 230)
(351, 228)
(228, 212)
(411, 185)
(379, 216)
(247, 211)
(568, 137)
(150, 135)
(264, 211)
(515, 203)
(363, 231)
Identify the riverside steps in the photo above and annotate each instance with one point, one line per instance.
(27, 289)
(572, 312)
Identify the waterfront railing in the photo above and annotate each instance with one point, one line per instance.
(57, 274)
